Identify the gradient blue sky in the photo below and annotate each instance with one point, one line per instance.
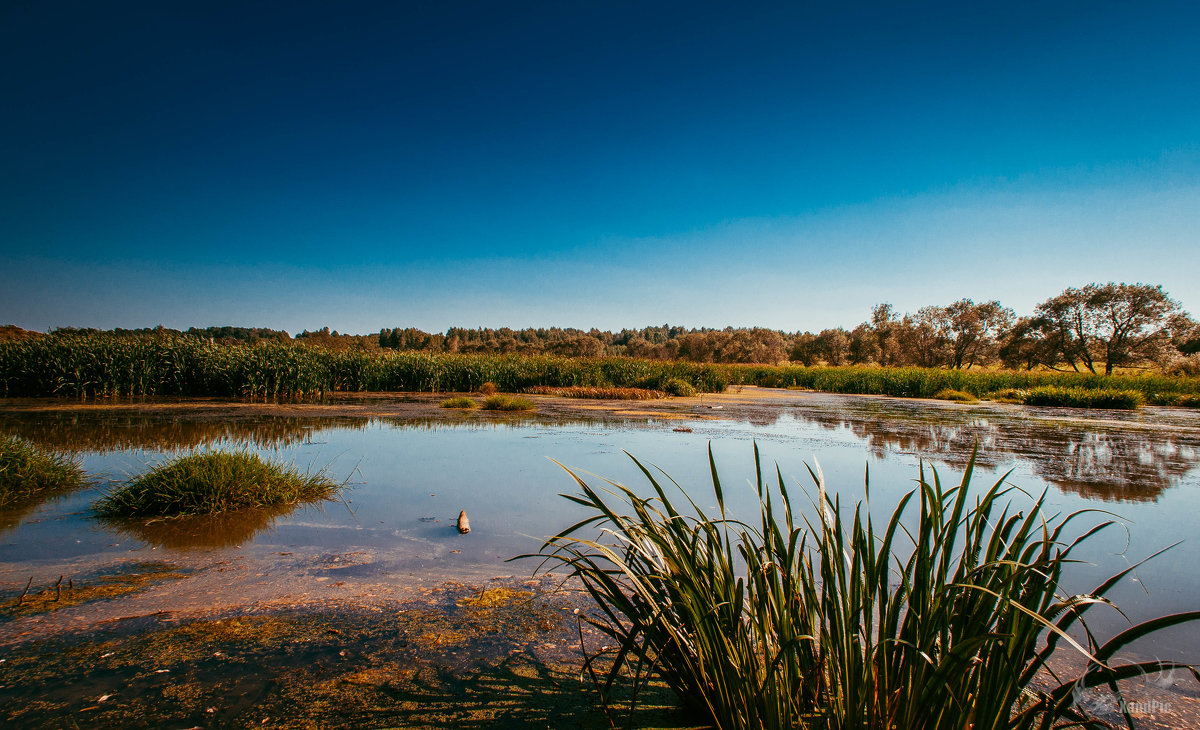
(366, 165)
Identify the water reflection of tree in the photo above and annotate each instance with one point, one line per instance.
(1093, 459)
(206, 531)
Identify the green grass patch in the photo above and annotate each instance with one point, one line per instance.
(912, 382)
(958, 396)
(459, 402)
(213, 482)
(29, 473)
(501, 402)
(1050, 395)
(942, 615)
(1008, 395)
(679, 388)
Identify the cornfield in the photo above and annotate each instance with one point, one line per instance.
(93, 365)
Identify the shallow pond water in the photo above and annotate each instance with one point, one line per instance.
(409, 475)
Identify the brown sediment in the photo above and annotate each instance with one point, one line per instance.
(130, 578)
(501, 654)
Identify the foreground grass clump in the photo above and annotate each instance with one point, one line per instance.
(500, 402)
(1049, 395)
(459, 402)
(583, 391)
(27, 472)
(829, 620)
(957, 396)
(214, 482)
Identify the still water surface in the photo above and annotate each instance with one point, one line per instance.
(408, 479)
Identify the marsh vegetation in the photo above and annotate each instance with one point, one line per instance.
(503, 402)
(87, 365)
(213, 482)
(105, 365)
(28, 472)
(826, 618)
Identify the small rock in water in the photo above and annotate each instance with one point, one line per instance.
(464, 525)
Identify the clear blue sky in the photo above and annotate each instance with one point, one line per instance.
(367, 165)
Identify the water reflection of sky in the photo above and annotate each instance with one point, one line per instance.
(410, 479)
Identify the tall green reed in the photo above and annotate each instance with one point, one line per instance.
(913, 382)
(826, 620)
(89, 365)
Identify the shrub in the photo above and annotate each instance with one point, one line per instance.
(679, 388)
(769, 380)
(459, 402)
(213, 482)
(1008, 395)
(488, 388)
(955, 395)
(824, 620)
(29, 472)
(1187, 401)
(1050, 395)
(507, 403)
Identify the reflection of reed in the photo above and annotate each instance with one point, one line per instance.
(206, 531)
(1089, 459)
(105, 432)
(16, 512)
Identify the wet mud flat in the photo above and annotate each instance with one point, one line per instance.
(501, 653)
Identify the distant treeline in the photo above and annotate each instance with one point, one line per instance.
(1097, 328)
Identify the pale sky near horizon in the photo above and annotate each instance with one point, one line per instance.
(368, 165)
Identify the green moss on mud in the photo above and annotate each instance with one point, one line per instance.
(502, 655)
(69, 591)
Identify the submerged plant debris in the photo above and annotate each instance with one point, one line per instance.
(41, 597)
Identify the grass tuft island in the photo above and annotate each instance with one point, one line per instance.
(29, 472)
(213, 482)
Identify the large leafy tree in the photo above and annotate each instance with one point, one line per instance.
(1107, 325)
(974, 329)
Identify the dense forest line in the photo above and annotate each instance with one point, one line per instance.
(1097, 328)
